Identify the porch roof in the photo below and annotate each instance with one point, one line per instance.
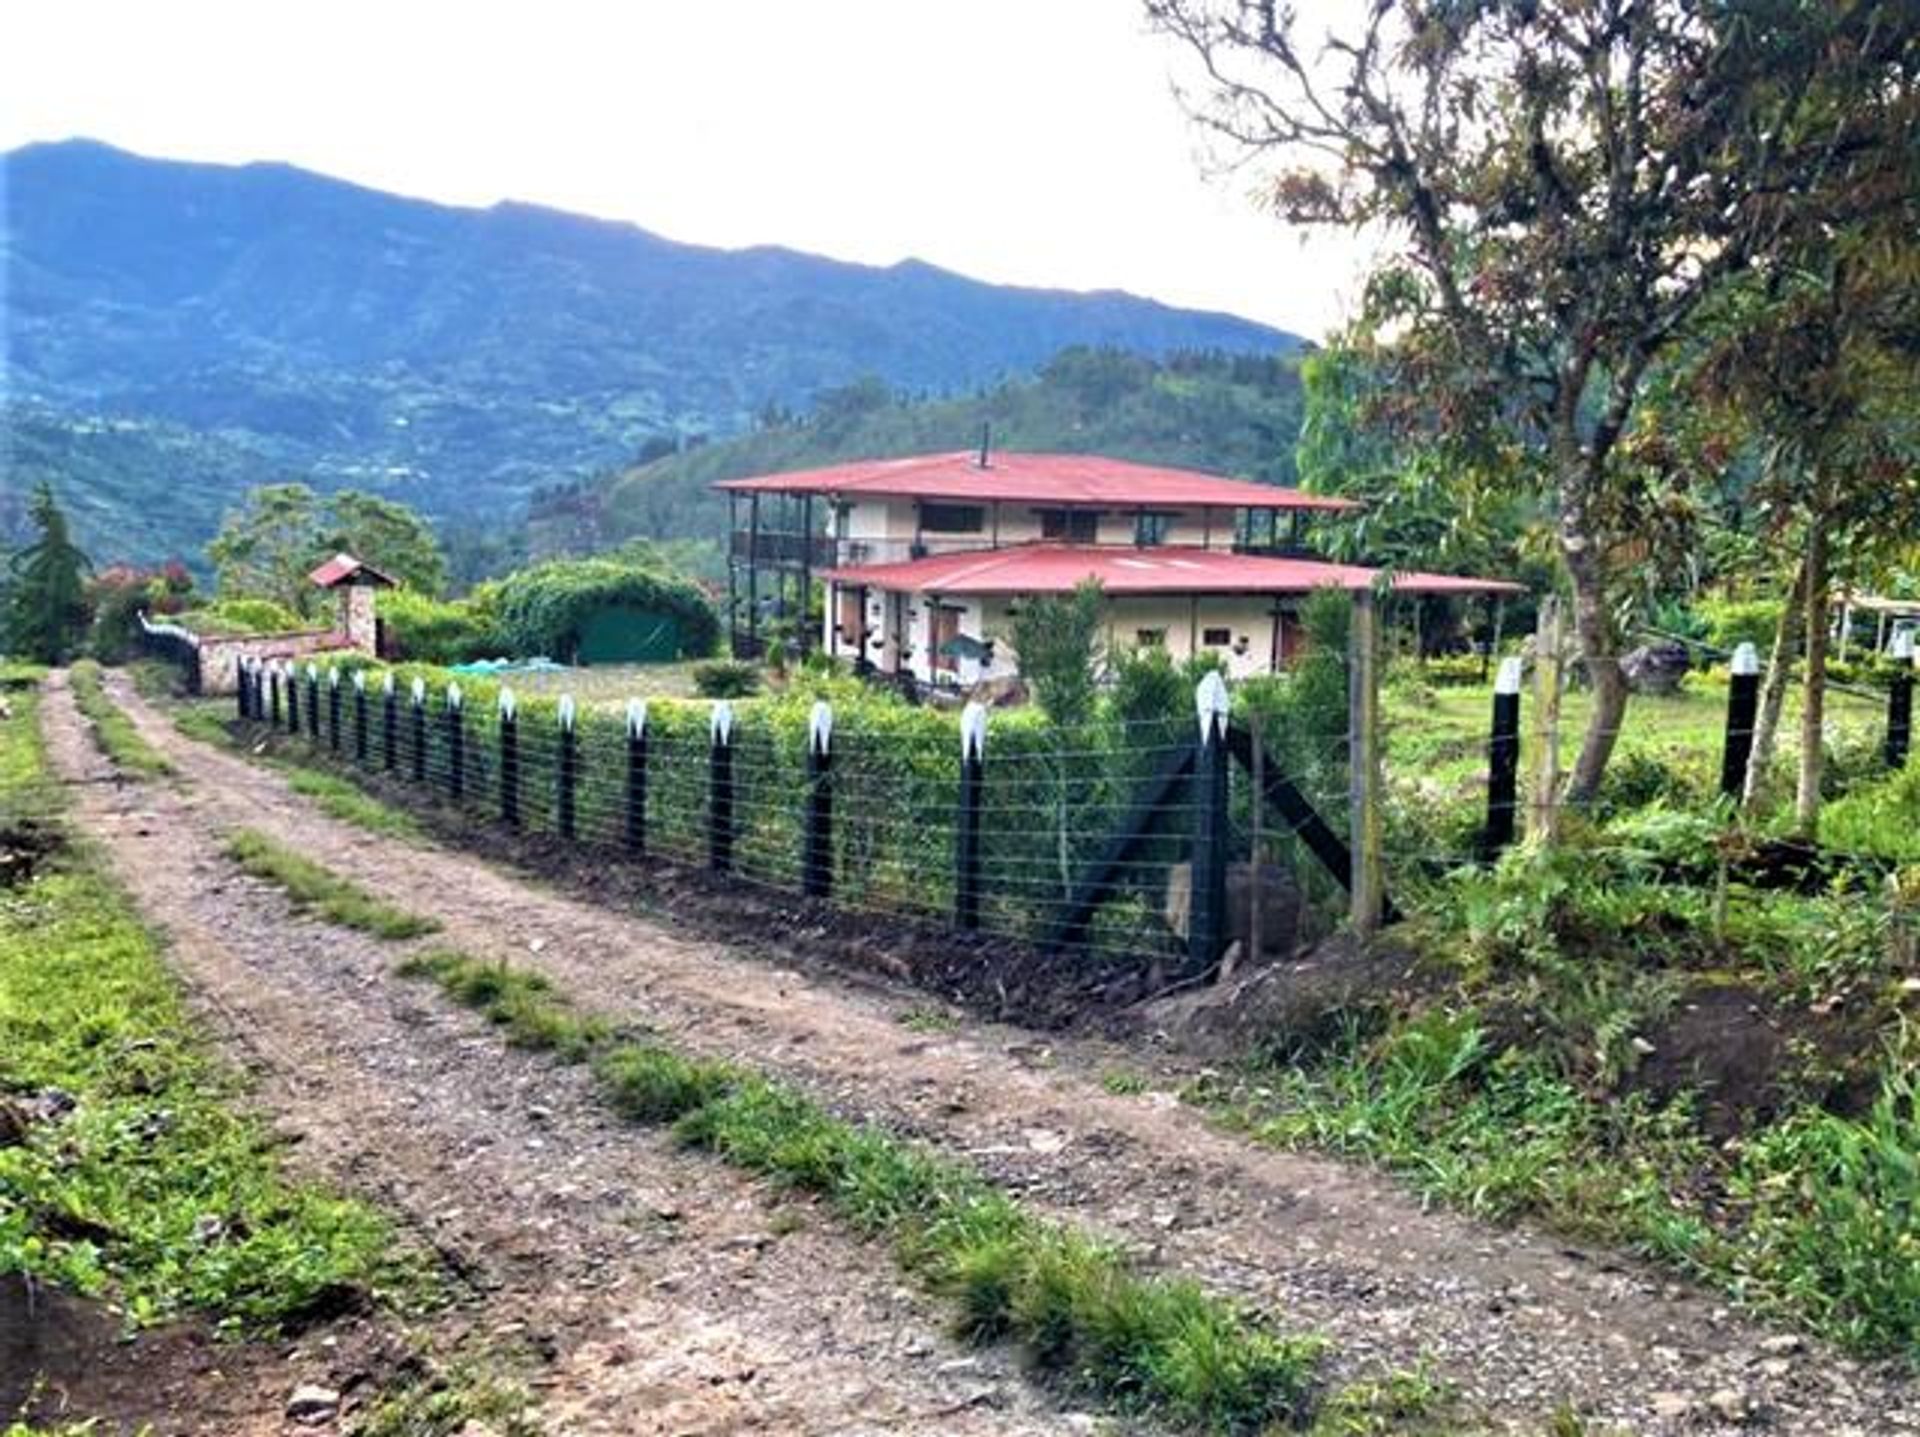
(1011, 477)
(1056, 568)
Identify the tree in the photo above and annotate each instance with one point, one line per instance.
(266, 549)
(1056, 641)
(1559, 187)
(46, 608)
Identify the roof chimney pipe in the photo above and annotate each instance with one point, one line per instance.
(986, 440)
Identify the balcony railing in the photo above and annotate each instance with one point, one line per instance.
(783, 551)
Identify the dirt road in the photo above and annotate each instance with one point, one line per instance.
(503, 1158)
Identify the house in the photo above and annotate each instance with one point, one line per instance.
(923, 557)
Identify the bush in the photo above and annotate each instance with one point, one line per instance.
(545, 609)
(726, 679)
(433, 631)
(244, 616)
(1732, 622)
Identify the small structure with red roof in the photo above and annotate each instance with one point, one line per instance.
(923, 558)
(355, 580)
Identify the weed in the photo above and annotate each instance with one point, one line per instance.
(313, 887)
(112, 729)
(337, 798)
(464, 1398)
(1123, 1085)
(928, 1020)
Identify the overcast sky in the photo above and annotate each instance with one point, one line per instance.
(1022, 141)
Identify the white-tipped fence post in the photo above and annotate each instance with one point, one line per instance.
(359, 716)
(417, 694)
(1368, 894)
(333, 708)
(509, 759)
(1503, 762)
(566, 771)
(273, 695)
(636, 776)
(389, 723)
(1743, 704)
(1207, 913)
(720, 787)
(816, 868)
(966, 844)
(313, 702)
(456, 744)
(292, 672)
(1900, 700)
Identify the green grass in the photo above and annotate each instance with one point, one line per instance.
(338, 798)
(112, 729)
(314, 888)
(138, 1180)
(1144, 1343)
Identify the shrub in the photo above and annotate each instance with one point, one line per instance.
(434, 631)
(244, 616)
(726, 679)
(1732, 622)
(545, 609)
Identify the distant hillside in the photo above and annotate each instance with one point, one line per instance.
(1237, 415)
(455, 358)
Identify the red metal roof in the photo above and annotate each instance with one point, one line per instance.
(1056, 568)
(344, 568)
(1035, 478)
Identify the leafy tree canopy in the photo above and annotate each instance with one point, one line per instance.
(266, 549)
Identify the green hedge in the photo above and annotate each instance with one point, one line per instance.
(545, 609)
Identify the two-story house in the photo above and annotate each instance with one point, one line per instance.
(922, 558)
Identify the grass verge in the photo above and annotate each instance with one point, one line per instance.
(314, 888)
(125, 1171)
(1143, 1343)
(112, 729)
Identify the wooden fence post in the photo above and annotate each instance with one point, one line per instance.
(418, 694)
(966, 839)
(333, 707)
(1363, 763)
(313, 704)
(1207, 913)
(389, 723)
(360, 716)
(293, 699)
(509, 759)
(720, 787)
(636, 814)
(273, 696)
(1545, 800)
(1743, 703)
(1900, 700)
(816, 867)
(456, 746)
(565, 769)
(1503, 762)
(240, 688)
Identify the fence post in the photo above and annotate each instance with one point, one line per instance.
(359, 716)
(720, 787)
(1207, 916)
(636, 776)
(418, 695)
(240, 688)
(1743, 703)
(1503, 761)
(313, 703)
(293, 699)
(333, 707)
(1363, 763)
(565, 776)
(389, 722)
(1546, 703)
(456, 746)
(816, 866)
(966, 840)
(509, 759)
(273, 696)
(1900, 701)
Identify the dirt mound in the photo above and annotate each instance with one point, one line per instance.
(25, 845)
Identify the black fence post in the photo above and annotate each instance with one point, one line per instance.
(418, 696)
(313, 704)
(293, 700)
(1207, 918)
(816, 864)
(1900, 700)
(456, 746)
(240, 688)
(273, 696)
(360, 716)
(566, 769)
(389, 723)
(333, 708)
(636, 776)
(509, 760)
(720, 787)
(966, 838)
(1743, 703)
(1503, 762)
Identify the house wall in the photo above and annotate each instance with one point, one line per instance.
(880, 531)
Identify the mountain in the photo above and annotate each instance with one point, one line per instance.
(453, 358)
(1231, 414)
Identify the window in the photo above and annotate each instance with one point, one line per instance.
(1070, 526)
(1150, 638)
(1151, 529)
(1216, 638)
(952, 518)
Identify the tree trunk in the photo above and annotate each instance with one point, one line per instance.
(1773, 689)
(1806, 807)
(1594, 626)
